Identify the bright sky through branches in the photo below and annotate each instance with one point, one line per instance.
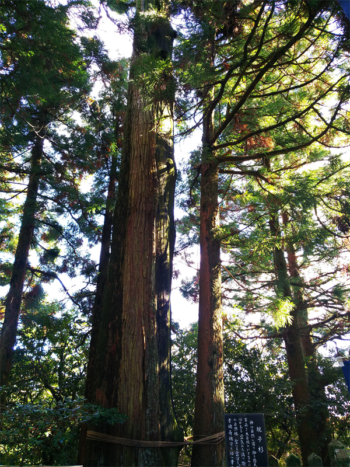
(120, 46)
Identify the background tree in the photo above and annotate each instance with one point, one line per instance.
(231, 85)
(258, 77)
(55, 81)
(256, 380)
(45, 405)
(262, 271)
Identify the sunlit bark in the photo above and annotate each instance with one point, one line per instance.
(315, 379)
(307, 430)
(132, 370)
(209, 405)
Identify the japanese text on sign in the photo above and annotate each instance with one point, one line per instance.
(245, 440)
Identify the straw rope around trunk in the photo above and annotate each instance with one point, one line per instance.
(95, 436)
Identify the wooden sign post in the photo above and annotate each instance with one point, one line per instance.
(245, 440)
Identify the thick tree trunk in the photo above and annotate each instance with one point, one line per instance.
(308, 436)
(209, 404)
(14, 296)
(132, 370)
(315, 381)
(101, 278)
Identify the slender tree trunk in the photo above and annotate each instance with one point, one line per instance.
(14, 296)
(165, 242)
(315, 380)
(209, 404)
(132, 370)
(308, 436)
(100, 289)
(102, 277)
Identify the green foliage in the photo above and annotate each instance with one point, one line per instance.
(44, 431)
(154, 79)
(45, 408)
(41, 63)
(184, 358)
(276, 122)
(120, 6)
(280, 308)
(48, 96)
(256, 381)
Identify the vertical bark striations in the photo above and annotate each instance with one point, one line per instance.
(132, 370)
(308, 436)
(209, 404)
(102, 277)
(14, 296)
(315, 379)
(100, 291)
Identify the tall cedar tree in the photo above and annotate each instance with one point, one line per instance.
(259, 252)
(256, 48)
(38, 42)
(308, 436)
(107, 119)
(132, 370)
(256, 380)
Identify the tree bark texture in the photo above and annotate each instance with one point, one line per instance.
(209, 403)
(102, 277)
(308, 436)
(298, 296)
(132, 370)
(100, 291)
(14, 296)
(315, 380)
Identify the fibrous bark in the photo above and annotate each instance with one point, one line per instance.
(315, 380)
(132, 370)
(209, 404)
(307, 431)
(102, 277)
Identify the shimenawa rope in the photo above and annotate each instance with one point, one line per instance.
(95, 436)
